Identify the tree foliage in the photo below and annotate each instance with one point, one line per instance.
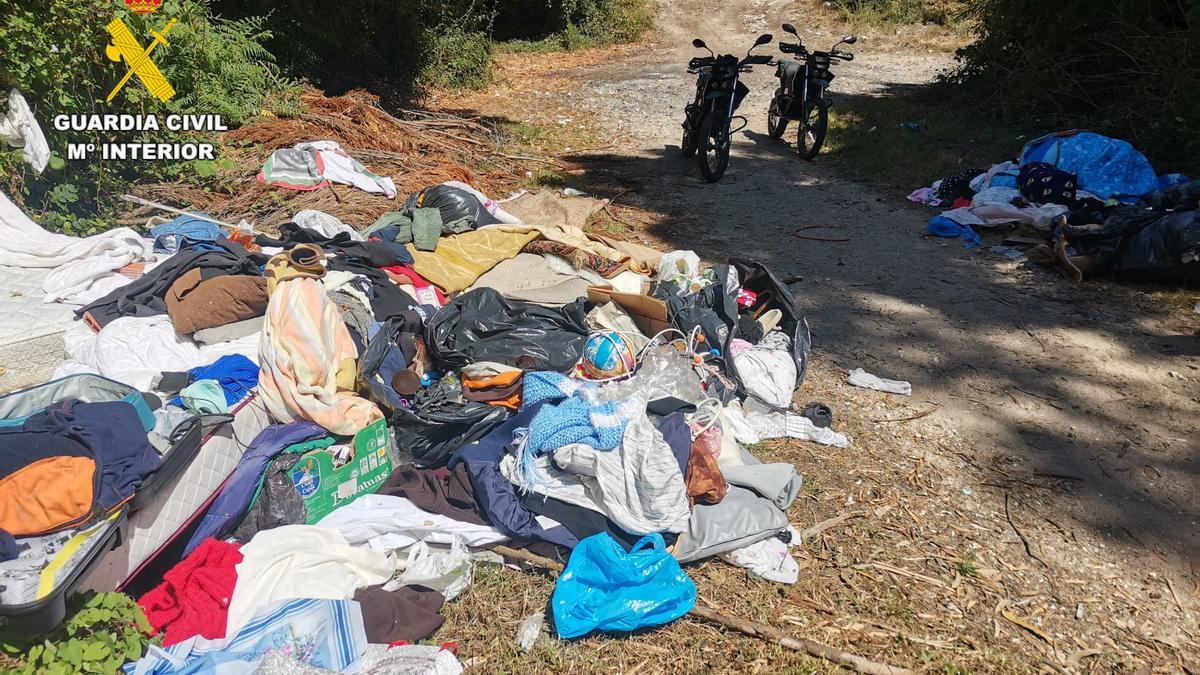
(397, 48)
(53, 51)
(1130, 68)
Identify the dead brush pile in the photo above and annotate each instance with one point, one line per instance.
(416, 149)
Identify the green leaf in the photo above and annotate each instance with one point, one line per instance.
(95, 651)
(57, 162)
(204, 168)
(72, 652)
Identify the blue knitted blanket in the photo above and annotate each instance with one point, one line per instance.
(573, 413)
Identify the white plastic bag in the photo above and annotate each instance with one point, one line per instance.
(679, 266)
(20, 129)
(447, 572)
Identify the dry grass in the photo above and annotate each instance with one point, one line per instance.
(415, 148)
(881, 31)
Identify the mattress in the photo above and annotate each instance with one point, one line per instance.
(31, 335)
(169, 512)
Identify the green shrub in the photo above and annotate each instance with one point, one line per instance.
(1129, 69)
(538, 26)
(613, 21)
(58, 61)
(102, 631)
(457, 58)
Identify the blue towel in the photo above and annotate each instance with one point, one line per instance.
(236, 374)
(942, 226)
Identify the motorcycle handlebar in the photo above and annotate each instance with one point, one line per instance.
(845, 56)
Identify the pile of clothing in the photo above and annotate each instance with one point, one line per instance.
(1101, 204)
(460, 374)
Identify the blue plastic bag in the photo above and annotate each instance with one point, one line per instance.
(605, 588)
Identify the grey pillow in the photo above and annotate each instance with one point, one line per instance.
(230, 331)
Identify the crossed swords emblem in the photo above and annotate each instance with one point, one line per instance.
(126, 47)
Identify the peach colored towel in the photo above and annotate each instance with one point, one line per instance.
(307, 360)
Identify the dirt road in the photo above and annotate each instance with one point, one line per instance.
(1078, 407)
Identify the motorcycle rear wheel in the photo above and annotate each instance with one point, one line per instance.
(776, 123)
(813, 125)
(687, 146)
(713, 155)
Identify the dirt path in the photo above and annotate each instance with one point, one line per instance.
(1076, 404)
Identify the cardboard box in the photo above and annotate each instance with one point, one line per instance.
(650, 314)
(325, 488)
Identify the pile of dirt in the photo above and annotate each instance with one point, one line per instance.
(415, 148)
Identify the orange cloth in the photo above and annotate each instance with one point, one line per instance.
(502, 390)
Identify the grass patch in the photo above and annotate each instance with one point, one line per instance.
(967, 565)
(606, 224)
(909, 139)
(525, 133)
(811, 487)
(594, 23)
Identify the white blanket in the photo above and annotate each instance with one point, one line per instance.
(133, 350)
(84, 269)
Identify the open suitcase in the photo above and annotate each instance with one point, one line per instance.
(34, 586)
(156, 533)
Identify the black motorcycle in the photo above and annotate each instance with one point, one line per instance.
(801, 93)
(707, 120)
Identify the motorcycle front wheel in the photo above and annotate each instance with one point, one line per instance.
(713, 153)
(776, 122)
(813, 126)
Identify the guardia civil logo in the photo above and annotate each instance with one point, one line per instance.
(126, 48)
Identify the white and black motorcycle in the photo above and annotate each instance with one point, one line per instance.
(801, 95)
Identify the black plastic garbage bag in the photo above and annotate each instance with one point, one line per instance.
(454, 203)
(1166, 249)
(754, 276)
(1157, 243)
(277, 503)
(483, 325)
(391, 350)
(439, 424)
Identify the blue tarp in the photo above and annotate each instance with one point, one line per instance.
(942, 226)
(1106, 167)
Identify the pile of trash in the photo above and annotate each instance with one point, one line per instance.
(293, 449)
(1101, 205)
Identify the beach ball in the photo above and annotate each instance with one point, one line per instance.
(605, 356)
